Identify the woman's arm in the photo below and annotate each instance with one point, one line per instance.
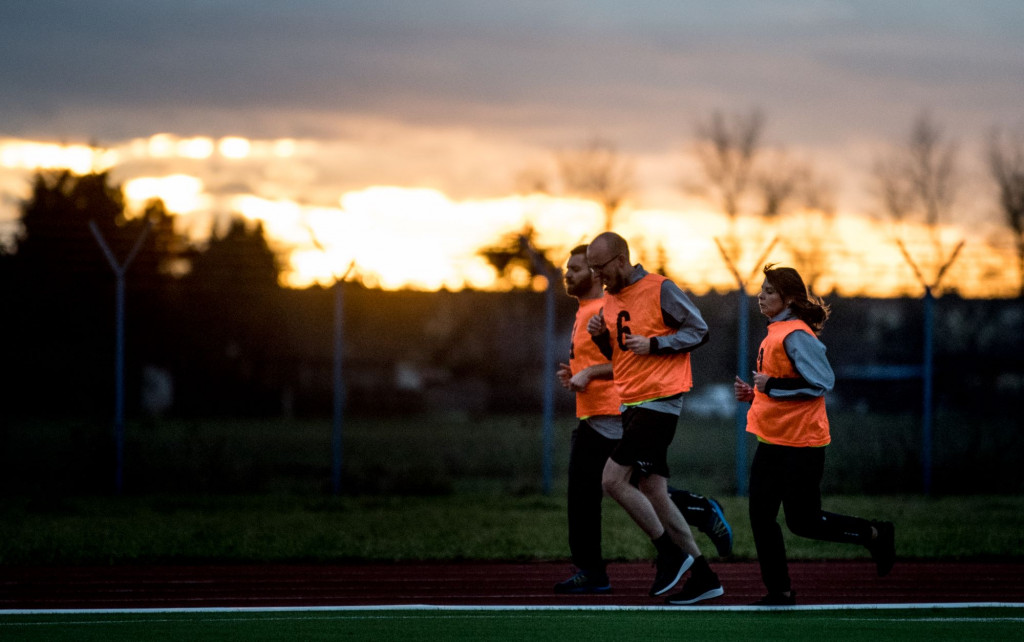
(816, 378)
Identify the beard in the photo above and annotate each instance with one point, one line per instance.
(578, 289)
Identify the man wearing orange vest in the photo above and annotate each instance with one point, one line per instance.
(589, 375)
(648, 327)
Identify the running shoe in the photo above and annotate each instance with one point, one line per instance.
(669, 569)
(698, 588)
(883, 549)
(585, 582)
(719, 529)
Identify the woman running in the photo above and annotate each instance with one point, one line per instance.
(787, 414)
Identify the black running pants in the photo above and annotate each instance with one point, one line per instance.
(589, 451)
(791, 478)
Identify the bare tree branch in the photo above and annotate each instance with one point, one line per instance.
(597, 171)
(919, 181)
(1006, 166)
(780, 183)
(533, 180)
(815, 221)
(894, 192)
(932, 169)
(726, 149)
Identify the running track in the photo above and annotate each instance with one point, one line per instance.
(481, 584)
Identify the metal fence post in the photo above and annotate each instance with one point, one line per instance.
(928, 376)
(928, 359)
(742, 365)
(548, 378)
(741, 409)
(338, 385)
(120, 269)
(338, 380)
(553, 276)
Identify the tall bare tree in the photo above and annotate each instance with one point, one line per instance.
(781, 184)
(814, 221)
(741, 176)
(918, 182)
(726, 147)
(597, 171)
(1006, 165)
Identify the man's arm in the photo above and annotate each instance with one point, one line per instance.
(580, 380)
(678, 311)
(600, 335)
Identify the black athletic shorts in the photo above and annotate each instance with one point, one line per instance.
(646, 435)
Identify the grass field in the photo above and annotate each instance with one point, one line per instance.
(288, 528)
(438, 487)
(444, 454)
(836, 625)
(443, 488)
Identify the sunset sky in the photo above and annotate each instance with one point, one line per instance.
(392, 132)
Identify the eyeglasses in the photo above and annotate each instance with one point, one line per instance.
(598, 268)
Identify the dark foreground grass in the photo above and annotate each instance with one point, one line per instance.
(440, 487)
(285, 528)
(443, 454)
(677, 624)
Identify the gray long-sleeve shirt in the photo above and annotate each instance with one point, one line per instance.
(677, 311)
(807, 354)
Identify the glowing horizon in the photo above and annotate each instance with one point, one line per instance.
(418, 237)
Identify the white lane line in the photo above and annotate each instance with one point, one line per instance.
(544, 607)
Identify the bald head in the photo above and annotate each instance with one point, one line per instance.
(611, 244)
(608, 258)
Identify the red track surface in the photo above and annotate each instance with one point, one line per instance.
(831, 582)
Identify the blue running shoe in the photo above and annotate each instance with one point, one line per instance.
(719, 530)
(585, 582)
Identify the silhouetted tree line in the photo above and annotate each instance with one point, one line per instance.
(208, 315)
(209, 330)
